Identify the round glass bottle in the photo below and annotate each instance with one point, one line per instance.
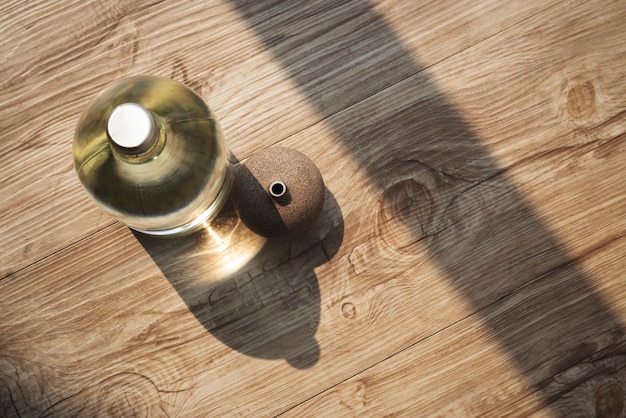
(150, 153)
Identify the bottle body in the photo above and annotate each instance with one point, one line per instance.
(175, 185)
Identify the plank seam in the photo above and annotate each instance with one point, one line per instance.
(540, 277)
(421, 70)
(71, 244)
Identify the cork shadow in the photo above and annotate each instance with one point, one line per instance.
(441, 185)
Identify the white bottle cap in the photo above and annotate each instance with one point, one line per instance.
(131, 128)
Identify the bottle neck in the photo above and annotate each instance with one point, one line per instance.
(135, 134)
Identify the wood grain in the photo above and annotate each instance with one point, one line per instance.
(463, 370)
(468, 260)
(209, 47)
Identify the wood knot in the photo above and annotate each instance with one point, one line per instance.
(609, 400)
(405, 215)
(353, 396)
(581, 99)
(348, 310)
(179, 73)
(123, 394)
(125, 41)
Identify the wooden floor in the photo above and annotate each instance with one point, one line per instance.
(470, 259)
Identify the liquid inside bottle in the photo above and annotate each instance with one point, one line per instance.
(150, 153)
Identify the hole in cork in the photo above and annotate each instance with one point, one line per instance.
(277, 189)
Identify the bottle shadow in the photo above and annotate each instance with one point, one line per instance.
(442, 191)
(259, 297)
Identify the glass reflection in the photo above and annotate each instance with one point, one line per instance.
(226, 246)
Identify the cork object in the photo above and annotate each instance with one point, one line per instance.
(278, 192)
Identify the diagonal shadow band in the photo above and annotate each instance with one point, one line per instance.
(260, 297)
(440, 184)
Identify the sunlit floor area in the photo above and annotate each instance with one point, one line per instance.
(469, 260)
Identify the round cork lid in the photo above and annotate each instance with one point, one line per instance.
(278, 192)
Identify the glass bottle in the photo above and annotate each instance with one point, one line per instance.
(150, 153)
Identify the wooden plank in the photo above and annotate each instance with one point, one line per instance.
(464, 371)
(541, 145)
(111, 346)
(315, 68)
(416, 243)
